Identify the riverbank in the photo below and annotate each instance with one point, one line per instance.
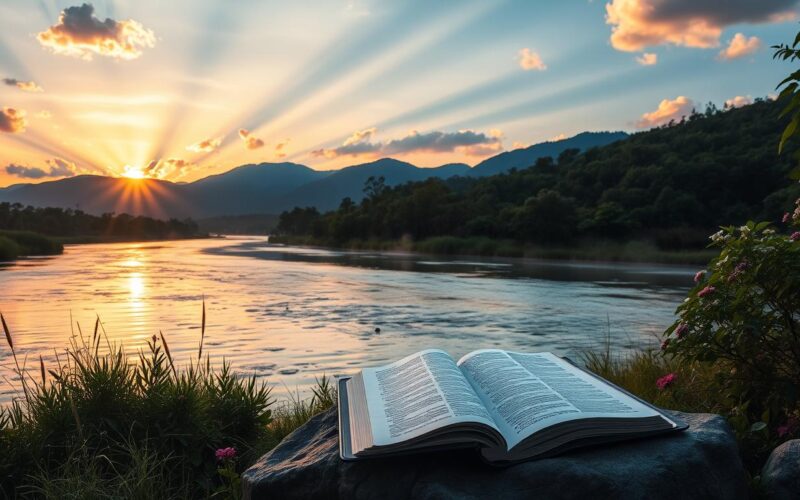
(16, 244)
(637, 251)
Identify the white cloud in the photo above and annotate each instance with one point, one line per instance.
(530, 60)
(667, 110)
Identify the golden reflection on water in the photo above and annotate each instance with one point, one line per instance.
(290, 321)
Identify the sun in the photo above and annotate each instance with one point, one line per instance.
(133, 172)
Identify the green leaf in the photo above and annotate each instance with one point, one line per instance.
(788, 132)
(758, 427)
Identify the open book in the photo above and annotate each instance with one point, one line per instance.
(512, 406)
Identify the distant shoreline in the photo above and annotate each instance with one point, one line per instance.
(92, 240)
(607, 251)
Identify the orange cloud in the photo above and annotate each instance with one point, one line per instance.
(250, 141)
(647, 59)
(530, 60)
(667, 110)
(280, 147)
(637, 24)
(79, 34)
(12, 120)
(26, 86)
(205, 146)
(740, 46)
(160, 169)
(739, 101)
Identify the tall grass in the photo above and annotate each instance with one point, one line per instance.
(97, 424)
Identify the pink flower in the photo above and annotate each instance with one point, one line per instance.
(681, 329)
(706, 291)
(699, 276)
(795, 236)
(225, 453)
(664, 344)
(666, 381)
(788, 428)
(786, 217)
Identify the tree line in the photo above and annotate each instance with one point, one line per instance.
(673, 185)
(66, 222)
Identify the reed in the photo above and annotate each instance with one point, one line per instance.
(101, 424)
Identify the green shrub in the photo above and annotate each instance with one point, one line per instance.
(9, 250)
(29, 243)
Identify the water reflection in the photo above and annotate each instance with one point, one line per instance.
(291, 314)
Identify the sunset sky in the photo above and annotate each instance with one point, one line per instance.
(182, 89)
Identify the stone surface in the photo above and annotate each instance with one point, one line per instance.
(780, 476)
(701, 462)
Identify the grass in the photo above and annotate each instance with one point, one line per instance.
(15, 244)
(102, 424)
(632, 251)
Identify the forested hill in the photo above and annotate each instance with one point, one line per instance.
(673, 185)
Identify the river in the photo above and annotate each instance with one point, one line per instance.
(291, 314)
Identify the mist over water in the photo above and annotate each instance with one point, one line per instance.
(291, 314)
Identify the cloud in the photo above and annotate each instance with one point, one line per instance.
(205, 146)
(26, 86)
(467, 141)
(250, 141)
(559, 137)
(519, 145)
(530, 60)
(647, 59)
(79, 34)
(12, 120)
(740, 46)
(637, 24)
(160, 169)
(667, 110)
(44, 114)
(739, 101)
(280, 148)
(55, 168)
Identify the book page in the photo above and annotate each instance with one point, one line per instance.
(528, 392)
(418, 394)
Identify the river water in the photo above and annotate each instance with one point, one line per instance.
(290, 314)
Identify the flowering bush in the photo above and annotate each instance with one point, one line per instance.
(743, 315)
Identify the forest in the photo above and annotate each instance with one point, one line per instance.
(69, 223)
(671, 186)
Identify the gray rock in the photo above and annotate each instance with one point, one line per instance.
(702, 462)
(780, 476)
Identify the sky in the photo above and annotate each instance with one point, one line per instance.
(183, 89)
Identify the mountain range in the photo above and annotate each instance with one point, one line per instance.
(267, 188)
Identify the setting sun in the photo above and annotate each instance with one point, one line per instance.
(133, 172)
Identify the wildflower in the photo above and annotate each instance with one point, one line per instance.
(786, 217)
(706, 291)
(666, 381)
(681, 329)
(788, 428)
(225, 453)
(745, 230)
(717, 237)
(665, 344)
(699, 275)
(795, 236)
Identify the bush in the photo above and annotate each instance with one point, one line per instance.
(29, 243)
(743, 318)
(9, 250)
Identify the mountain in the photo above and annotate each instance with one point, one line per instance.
(526, 157)
(327, 193)
(249, 189)
(266, 188)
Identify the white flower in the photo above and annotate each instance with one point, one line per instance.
(718, 236)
